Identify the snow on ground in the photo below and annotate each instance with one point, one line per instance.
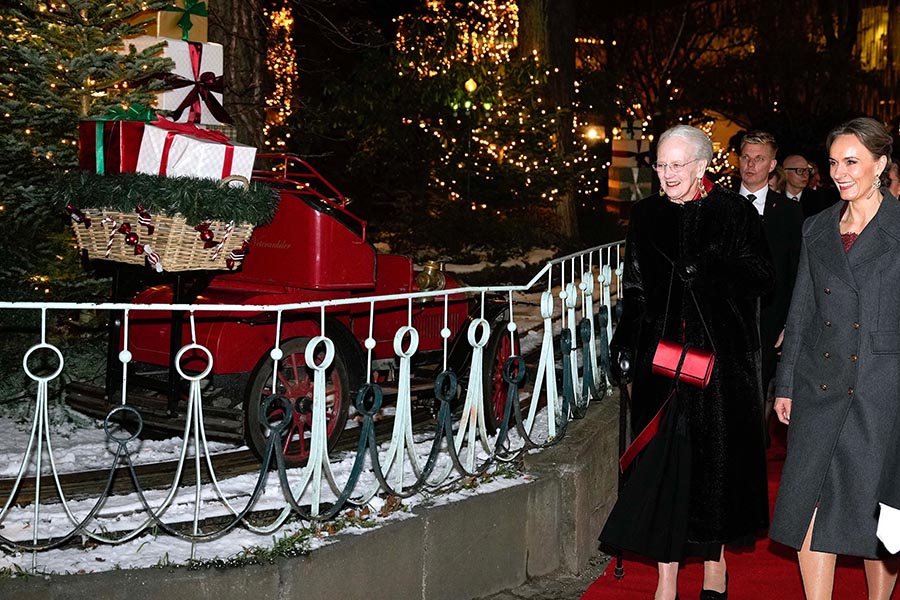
(126, 513)
(80, 444)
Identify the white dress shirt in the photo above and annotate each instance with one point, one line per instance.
(759, 202)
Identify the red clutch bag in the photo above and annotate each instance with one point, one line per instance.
(696, 364)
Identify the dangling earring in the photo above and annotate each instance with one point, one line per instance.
(662, 192)
(703, 192)
(877, 183)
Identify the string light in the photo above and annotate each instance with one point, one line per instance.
(501, 148)
(281, 59)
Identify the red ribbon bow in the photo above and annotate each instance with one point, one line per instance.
(204, 84)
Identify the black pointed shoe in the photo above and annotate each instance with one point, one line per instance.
(711, 595)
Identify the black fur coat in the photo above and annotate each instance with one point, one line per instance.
(721, 237)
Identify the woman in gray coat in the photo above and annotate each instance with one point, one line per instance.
(838, 383)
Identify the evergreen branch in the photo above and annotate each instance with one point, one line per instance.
(195, 199)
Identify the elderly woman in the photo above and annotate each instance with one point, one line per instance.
(695, 267)
(838, 383)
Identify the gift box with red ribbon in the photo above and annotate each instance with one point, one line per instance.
(185, 150)
(195, 81)
(111, 143)
(630, 153)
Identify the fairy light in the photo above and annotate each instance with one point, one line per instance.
(488, 33)
(282, 64)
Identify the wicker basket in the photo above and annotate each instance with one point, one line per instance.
(178, 245)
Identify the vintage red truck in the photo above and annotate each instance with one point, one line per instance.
(314, 249)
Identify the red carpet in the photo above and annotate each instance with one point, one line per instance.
(768, 572)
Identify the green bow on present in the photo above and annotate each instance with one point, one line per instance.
(191, 7)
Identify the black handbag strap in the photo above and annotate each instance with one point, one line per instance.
(693, 297)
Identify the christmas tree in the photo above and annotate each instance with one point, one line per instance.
(499, 152)
(58, 62)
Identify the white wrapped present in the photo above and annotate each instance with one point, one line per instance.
(185, 150)
(630, 153)
(196, 80)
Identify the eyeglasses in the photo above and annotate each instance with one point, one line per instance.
(675, 167)
(801, 170)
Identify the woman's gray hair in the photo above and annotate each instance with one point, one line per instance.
(696, 138)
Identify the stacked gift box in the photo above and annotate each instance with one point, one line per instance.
(630, 175)
(135, 140)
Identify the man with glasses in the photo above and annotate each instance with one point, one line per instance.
(781, 222)
(797, 172)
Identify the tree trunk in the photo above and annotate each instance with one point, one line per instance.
(240, 26)
(548, 26)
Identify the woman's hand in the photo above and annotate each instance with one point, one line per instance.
(783, 410)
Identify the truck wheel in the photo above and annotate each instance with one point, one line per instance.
(497, 350)
(294, 382)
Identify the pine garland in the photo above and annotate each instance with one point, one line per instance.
(195, 199)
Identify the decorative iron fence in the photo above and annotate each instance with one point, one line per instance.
(576, 315)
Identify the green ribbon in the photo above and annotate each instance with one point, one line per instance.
(135, 112)
(191, 7)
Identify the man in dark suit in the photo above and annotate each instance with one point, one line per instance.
(782, 220)
(797, 173)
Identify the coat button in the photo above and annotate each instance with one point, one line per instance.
(826, 354)
(824, 387)
(853, 358)
(850, 391)
(827, 323)
(827, 290)
(856, 326)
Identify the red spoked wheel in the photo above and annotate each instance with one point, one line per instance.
(294, 383)
(498, 349)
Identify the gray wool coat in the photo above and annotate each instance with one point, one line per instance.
(841, 368)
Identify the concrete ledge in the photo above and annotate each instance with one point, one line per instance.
(457, 551)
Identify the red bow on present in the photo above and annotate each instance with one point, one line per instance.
(191, 129)
(204, 84)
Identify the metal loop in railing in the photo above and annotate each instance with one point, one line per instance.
(137, 427)
(202, 374)
(268, 407)
(310, 353)
(43, 346)
(369, 398)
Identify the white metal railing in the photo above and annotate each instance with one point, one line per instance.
(466, 450)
